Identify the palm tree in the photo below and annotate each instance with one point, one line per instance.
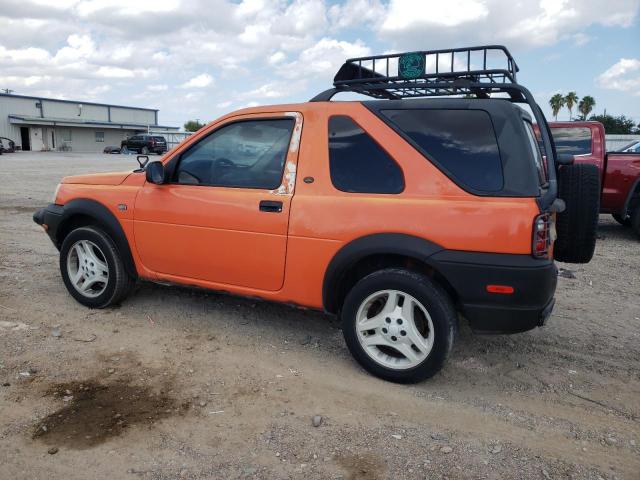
(570, 100)
(586, 105)
(556, 102)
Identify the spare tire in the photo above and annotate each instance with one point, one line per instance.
(579, 187)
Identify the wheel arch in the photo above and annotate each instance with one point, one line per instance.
(84, 212)
(633, 198)
(367, 254)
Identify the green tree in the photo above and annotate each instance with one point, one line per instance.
(586, 105)
(620, 125)
(193, 125)
(556, 102)
(570, 100)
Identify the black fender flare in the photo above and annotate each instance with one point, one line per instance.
(362, 247)
(105, 220)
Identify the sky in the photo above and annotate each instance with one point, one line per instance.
(201, 59)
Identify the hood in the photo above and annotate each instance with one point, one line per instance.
(115, 178)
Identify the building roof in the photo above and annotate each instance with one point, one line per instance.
(55, 121)
(75, 102)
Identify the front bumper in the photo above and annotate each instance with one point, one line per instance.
(49, 218)
(529, 306)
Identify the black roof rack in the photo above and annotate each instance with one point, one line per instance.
(430, 73)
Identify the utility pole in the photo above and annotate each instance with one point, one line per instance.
(7, 90)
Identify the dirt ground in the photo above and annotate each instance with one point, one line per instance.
(177, 383)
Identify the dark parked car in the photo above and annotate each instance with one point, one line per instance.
(7, 145)
(144, 143)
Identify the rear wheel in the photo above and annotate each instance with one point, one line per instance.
(579, 187)
(635, 220)
(626, 221)
(399, 325)
(92, 269)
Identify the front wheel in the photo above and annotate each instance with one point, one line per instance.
(92, 269)
(625, 221)
(399, 325)
(144, 151)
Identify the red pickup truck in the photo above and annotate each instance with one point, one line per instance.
(619, 171)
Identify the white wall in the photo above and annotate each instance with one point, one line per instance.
(614, 142)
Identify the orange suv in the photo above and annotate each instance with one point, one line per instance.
(396, 214)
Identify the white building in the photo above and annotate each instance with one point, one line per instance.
(36, 123)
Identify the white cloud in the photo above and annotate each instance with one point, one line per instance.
(623, 75)
(200, 81)
(411, 14)
(277, 58)
(158, 88)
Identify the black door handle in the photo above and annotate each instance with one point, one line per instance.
(270, 206)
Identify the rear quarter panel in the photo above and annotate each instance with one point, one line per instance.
(324, 219)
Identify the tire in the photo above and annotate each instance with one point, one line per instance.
(625, 221)
(103, 281)
(579, 187)
(144, 151)
(635, 220)
(378, 295)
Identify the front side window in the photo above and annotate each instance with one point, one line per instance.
(357, 163)
(573, 141)
(461, 142)
(248, 154)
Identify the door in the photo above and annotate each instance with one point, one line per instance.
(223, 216)
(24, 138)
(36, 141)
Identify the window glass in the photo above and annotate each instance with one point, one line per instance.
(66, 135)
(357, 163)
(99, 136)
(248, 154)
(537, 153)
(461, 142)
(574, 140)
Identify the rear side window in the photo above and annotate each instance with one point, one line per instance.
(357, 163)
(461, 142)
(574, 141)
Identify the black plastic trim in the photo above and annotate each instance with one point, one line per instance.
(468, 274)
(57, 216)
(377, 244)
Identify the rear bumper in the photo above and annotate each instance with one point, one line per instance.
(49, 218)
(529, 306)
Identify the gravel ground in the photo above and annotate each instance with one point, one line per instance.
(177, 383)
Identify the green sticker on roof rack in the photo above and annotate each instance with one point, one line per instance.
(411, 65)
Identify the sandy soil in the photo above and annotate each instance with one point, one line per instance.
(178, 383)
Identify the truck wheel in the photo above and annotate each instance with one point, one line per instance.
(92, 269)
(579, 187)
(626, 221)
(635, 220)
(399, 325)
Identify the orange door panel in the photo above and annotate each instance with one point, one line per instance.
(218, 234)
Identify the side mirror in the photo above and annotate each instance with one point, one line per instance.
(155, 172)
(565, 159)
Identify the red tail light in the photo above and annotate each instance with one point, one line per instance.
(542, 236)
